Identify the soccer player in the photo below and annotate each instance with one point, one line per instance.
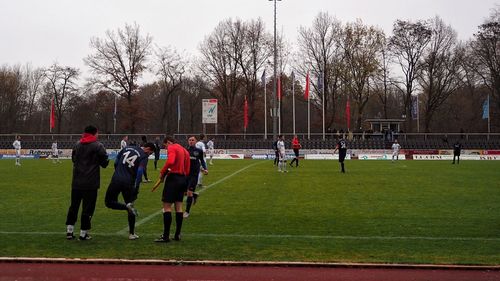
(342, 148)
(88, 154)
(210, 145)
(201, 145)
(145, 173)
(123, 143)
(174, 173)
(17, 146)
(276, 152)
(157, 151)
(55, 153)
(196, 159)
(295, 146)
(457, 147)
(282, 154)
(395, 150)
(129, 166)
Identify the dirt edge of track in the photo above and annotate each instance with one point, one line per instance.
(246, 263)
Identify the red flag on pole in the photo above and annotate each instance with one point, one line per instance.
(348, 113)
(279, 88)
(306, 92)
(245, 113)
(52, 115)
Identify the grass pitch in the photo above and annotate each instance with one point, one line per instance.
(405, 212)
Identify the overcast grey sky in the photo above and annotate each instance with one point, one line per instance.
(42, 32)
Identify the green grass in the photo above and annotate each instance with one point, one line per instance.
(406, 212)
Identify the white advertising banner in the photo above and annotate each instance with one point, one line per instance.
(450, 157)
(325, 157)
(379, 157)
(209, 111)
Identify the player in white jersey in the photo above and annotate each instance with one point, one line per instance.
(210, 146)
(395, 150)
(55, 153)
(17, 146)
(124, 143)
(201, 145)
(282, 154)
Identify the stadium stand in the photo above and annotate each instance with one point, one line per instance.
(407, 141)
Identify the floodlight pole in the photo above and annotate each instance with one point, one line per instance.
(275, 82)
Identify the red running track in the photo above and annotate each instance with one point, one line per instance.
(137, 272)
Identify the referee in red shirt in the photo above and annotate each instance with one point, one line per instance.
(174, 173)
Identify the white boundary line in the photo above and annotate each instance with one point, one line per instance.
(150, 217)
(282, 236)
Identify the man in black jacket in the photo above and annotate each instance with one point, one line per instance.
(88, 154)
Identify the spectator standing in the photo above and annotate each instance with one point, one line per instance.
(88, 155)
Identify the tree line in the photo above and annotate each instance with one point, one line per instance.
(420, 65)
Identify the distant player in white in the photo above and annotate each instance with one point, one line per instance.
(123, 143)
(55, 153)
(395, 150)
(17, 146)
(210, 145)
(201, 145)
(282, 154)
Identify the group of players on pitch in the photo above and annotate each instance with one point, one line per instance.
(180, 174)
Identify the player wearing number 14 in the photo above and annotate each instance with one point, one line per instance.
(129, 168)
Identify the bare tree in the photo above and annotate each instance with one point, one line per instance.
(382, 81)
(321, 55)
(170, 69)
(219, 64)
(407, 45)
(486, 49)
(255, 53)
(12, 98)
(440, 69)
(33, 80)
(361, 46)
(118, 62)
(61, 86)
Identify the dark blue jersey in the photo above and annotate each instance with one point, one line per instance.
(342, 146)
(196, 159)
(456, 148)
(127, 164)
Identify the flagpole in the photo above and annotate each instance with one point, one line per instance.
(308, 108)
(279, 105)
(323, 92)
(418, 117)
(114, 117)
(50, 116)
(265, 105)
(489, 125)
(178, 113)
(293, 101)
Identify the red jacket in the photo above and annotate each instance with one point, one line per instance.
(178, 161)
(296, 144)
